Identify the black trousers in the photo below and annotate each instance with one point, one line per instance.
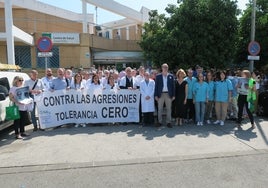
(243, 103)
(148, 117)
(19, 124)
(190, 109)
(140, 113)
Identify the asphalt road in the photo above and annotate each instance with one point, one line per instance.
(136, 156)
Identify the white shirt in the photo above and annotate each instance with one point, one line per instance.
(47, 82)
(165, 88)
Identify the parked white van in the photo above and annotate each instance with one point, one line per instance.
(6, 79)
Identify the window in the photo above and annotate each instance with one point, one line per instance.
(23, 56)
(52, 62)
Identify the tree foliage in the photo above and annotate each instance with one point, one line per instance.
(155, 38)
(200, 32)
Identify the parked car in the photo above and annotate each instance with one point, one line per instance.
(6, 79)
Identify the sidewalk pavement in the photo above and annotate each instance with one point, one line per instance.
(132, 144)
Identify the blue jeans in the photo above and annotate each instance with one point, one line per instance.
(33, 116)
(200, 108)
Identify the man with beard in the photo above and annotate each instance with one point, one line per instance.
(47, 79)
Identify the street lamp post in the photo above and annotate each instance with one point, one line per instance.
(252, 32)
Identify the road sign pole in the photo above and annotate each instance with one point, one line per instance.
(46, 63)
(252, 33)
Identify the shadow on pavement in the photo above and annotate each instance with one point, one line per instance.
(259, 127)
(148, 132)
(249, 133)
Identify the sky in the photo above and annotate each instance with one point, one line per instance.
(105, 16)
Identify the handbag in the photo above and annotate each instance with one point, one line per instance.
(12, 112)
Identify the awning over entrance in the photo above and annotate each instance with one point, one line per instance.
(112, 57)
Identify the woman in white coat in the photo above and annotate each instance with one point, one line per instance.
(147, 99)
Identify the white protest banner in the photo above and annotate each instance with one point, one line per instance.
(87, 106)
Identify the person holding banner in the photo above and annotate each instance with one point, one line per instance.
(36, 88)
(128, 81)
(69, 77)
(147, 87)
(104, 79)
(78, 83)
(164, 94)
(47, 80)
(60, 82)
(111, 83)
(15, 97)
(115, 75)
(95, 83)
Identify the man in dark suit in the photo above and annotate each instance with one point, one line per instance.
(164, 94)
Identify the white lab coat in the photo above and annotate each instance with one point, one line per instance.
(147, 90)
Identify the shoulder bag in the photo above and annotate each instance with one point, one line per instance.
(12, 112)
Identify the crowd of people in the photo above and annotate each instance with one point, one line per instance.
(188, 96)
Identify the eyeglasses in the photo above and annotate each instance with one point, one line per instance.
(20, 80)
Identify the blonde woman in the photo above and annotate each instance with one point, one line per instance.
(181, 90)
(243, 90)
(19, 124)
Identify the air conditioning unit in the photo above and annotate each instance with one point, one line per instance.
(98, 28)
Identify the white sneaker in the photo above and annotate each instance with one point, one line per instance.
(217, 122)
(201, 123)
(198, 123)
(208, 121)
(222, 123)
(76, 125)
(83, 125)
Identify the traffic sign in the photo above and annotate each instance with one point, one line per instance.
(251, 57)
(254, 48)
(44, 54)
(44, 44)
